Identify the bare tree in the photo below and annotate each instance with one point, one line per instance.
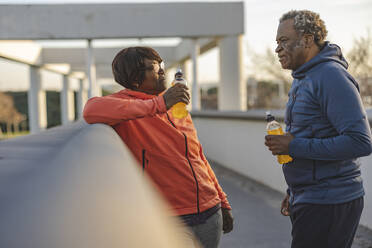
(8, 113)
(265, 67)
(360, 60)
(6, 104)
(16, 119)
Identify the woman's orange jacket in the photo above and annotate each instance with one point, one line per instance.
(167, 148)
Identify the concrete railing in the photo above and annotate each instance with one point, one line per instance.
(236, 141)
(78, 186)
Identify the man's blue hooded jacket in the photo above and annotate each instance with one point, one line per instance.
(325, 115)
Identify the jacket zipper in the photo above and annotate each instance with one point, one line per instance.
(291, 109)
(290, 113)
(171, 122)
(193, 173)
(314, 171)
(192, 169)
(143, 159)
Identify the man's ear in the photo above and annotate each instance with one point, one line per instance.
(309, 40)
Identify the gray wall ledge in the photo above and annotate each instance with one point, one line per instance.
(250, 115)
(78, 186)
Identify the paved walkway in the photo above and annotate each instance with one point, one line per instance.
(258, 223)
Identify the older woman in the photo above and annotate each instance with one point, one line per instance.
(167, 149)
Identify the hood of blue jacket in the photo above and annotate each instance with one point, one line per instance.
(330, 52)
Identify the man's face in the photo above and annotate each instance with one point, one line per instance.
(291, 46)
(154, 81)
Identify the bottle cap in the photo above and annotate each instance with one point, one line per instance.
(178, 73)
(269, 117)
(178, 78)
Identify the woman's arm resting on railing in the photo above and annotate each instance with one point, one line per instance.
(111, 110)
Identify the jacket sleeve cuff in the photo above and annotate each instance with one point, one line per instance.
(225, 205)
(161, 104)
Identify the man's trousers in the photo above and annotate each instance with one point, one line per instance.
(325, 226)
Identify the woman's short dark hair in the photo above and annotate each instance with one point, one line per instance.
(128, 65)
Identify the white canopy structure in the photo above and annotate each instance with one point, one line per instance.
(201, 26)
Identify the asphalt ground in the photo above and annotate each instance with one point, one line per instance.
(257, 219)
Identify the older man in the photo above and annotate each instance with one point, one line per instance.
(327, 131)
(167, 148)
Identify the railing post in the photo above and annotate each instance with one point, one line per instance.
(67, 102)
(232, 93)
(36, 102)
(81, 98)
(195, 94)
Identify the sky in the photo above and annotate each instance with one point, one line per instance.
(345, 21)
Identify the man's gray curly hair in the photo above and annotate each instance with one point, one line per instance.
(307, 22)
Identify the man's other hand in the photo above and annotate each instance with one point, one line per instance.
(228, 220)
(284, 210)
(175, 94)
(278, 144)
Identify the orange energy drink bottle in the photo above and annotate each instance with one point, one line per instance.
(179, 110)
(274, 128)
